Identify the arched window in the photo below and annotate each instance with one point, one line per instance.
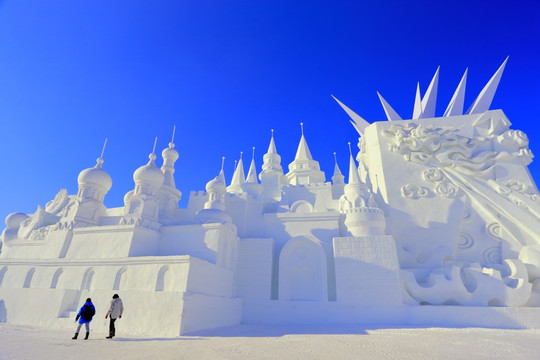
(56, 277)
(29, 276)
(163, 280)
(87, 279)
(2, 273)
(120, 280)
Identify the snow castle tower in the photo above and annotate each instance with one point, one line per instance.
(439, 219)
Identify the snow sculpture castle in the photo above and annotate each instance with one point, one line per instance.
(439, 211)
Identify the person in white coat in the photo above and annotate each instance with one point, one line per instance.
(115, 312)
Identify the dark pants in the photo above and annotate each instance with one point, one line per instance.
(111, 328)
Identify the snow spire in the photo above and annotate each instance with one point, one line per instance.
(484, 99)
(252, 172)
(391, 114)
(238, 177)
(338, 177)
(221, 175)
(356, 120)
(304, 170)
(354, 178)
(429, 101)
(455, 107)
(271, 160)
(303, 153)
(417, 112)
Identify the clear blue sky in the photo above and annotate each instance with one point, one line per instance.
(73, 73)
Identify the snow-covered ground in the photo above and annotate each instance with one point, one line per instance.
(265, 342)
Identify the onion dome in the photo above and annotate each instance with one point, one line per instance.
(170, 153)
(216, 185)
(149, 173)
(95, 176)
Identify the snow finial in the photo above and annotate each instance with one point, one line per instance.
(99, 161)
(154, 148)
(103, 149)
(356, 120)
(455, 106)
(391, 114)
(484, 99)
(335, 158)
(152, 155)
(430, 97)
(222, 162)
(253, 153)
(350, 151)
(302, 128)
(171, 144)
(235, 164)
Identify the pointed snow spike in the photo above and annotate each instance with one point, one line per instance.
(238, 176)
(272, 146)
(337, 170)
(252, 173)
(303, 153)
(357, 128)
(354, 177)
(417, 112)
(455, 106)
(221, 175)
(361, 124)
(429, 101)
(391, 114)
(484, 99)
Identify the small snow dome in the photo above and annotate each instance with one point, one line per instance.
(149, 173)
(170, 153)
(216, 185)
(95, 176)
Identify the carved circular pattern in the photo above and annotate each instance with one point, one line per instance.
(465, 241)
(433, 175)
(447, 189)
(413, 191)
(495, 230)
(492, 255)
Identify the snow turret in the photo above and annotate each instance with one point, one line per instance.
(169, 195)
(142, 204)
(271, 176)
(304, 170)
(362, 216)
(338, 181)
(213, 211)
(94, 183)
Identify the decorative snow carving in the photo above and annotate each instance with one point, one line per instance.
(447, 189)
(414, 192)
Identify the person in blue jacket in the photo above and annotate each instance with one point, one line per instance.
(85, 315)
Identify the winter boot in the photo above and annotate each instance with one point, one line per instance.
(109, 337)
(86, 337)
(75, 336)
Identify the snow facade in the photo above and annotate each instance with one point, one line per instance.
(439, 218)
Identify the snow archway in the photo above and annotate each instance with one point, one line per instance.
(29, 277)
(56, 278)
(87, 279)
(303, 270)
